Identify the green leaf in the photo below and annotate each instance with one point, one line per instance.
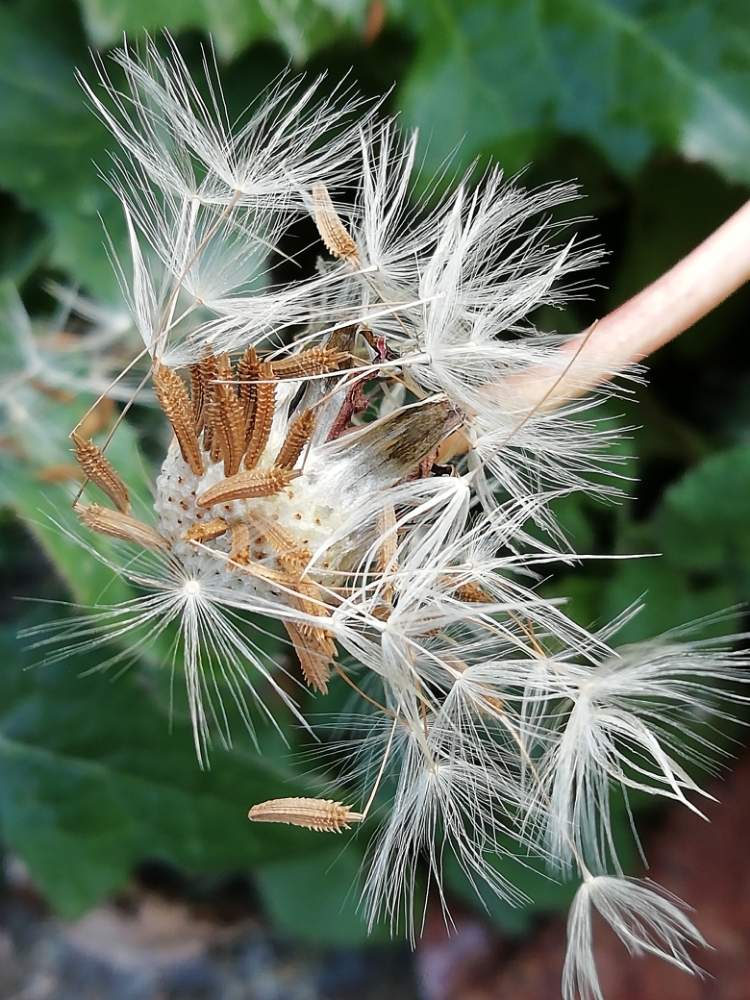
(314, 899)
(701, 564)
(545, 892)
(300, 26)
(702, 519)
(93, 783)
(46, 509)
(49, 140)
(23, 242)
(628, 77)
(671, 599)
(232, 22)
(546, 895)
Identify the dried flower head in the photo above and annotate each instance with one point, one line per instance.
(306, 483)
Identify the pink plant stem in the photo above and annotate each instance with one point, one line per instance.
(663, 310)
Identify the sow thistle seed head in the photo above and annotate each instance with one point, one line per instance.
(348, 458)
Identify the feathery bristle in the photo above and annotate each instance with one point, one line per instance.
(178, 409)
(322, 815)
(296, 438)
(100, 471)
(334, 234)
(262, 416)
(116, 524)
(245, 485)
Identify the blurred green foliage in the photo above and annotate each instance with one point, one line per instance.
(647, 102)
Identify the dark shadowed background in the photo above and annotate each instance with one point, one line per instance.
(127, 872)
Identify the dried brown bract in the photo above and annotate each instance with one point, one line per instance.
(213, 438)
(472, 593)
(241, 538)
(247, 375)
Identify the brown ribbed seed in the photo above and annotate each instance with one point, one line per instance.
(228, 422)
(334, 234)
(308, 598)
(200, 379)
(178, 409)
(296, 438)
(223, 371)
(246, 375)
(283, 542)
(472, 593)
(100, 471)
(387, 563)
(315, 654)
(246, 485)
(115, 524)
(262, 416)
(314, 361)
(322, 815)
(207, 531)
(241, 538)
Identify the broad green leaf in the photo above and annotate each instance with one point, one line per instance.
(315, 899)
(628, 77)
(93, 783)
(46, 508)
(300, 26)
(701, 566)
(580, 595)
(233, 23)
(702, 520)
(546, 895)
(23, 242)
(49, 139)
(670, 599)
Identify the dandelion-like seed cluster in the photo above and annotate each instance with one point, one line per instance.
(350, 457)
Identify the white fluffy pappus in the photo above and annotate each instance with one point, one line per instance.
(646, 919)
(349, 458)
